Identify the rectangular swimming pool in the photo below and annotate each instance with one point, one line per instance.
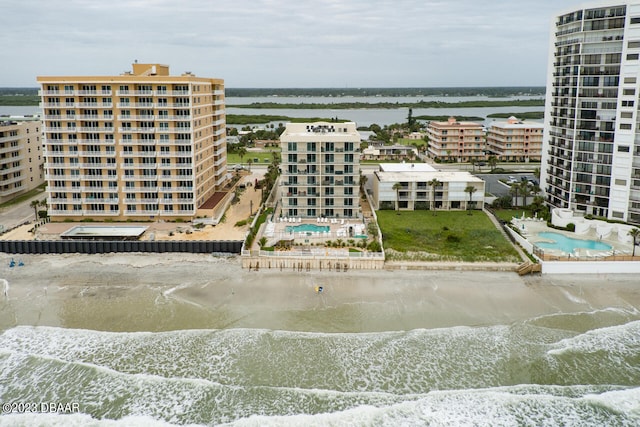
(307, 228)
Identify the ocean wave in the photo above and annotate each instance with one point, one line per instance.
(471, 375)
(400, 363)
(586, 406)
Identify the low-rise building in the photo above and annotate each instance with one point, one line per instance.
(21, 159)
(515, 140)
(389, 152)
(416, 186)
(456, 141)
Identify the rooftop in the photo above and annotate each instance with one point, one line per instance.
(406, 167)
(426, 176)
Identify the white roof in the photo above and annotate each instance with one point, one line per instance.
(105, 231)
(418, 176)
(518, 125)
(406, 167)
(320, 131)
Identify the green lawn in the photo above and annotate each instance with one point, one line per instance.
(450, 236)
(416, 142)
(507, 214)
(38, 190)
(264, 157)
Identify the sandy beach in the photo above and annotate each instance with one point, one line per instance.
(135, 292)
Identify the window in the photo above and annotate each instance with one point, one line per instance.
(626, 115)
(635, 20)
(628, 91)
(632, 56)
(624, 149)
(625, 126)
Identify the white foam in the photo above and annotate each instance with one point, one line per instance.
(79, 420)
(529, 405)
(615, 339)
(5, 287)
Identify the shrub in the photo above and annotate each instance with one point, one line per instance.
(571, 227)
(452, 238)
(241, 223)
(374, 247)
(503, 202)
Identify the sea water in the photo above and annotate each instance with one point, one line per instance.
(562, 369)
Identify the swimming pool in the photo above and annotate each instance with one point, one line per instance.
(306, 228)
(568, 244)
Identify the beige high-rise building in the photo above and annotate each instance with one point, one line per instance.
(21, 160)
(143, 145)
(456, 141)
(515, 140)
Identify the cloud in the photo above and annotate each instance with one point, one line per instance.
(285, 42)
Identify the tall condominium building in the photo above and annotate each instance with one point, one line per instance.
(21, 159)
(320, 170)
(591, 154)
(456, 141)
(515, 140)
(141, 145)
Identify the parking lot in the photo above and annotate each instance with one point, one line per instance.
(496, 187)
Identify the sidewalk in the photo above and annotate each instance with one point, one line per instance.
(18, 214)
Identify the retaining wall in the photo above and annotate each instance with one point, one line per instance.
(108, 246)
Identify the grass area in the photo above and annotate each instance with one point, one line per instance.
(240, 119)
(19, 100)
(445, 118)
(447, 236)
(507, 214)
(412, 142)
(393, 105)
(264, 157)
(26, 196)
(521, 116)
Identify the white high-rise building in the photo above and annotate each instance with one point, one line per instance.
(320, 170)
(591, 154)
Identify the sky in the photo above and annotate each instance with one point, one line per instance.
(284, 43)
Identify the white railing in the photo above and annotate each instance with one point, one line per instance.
(315, 253)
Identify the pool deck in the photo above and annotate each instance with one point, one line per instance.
(338, 229)
(530, 227)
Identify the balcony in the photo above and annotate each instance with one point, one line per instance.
(93, 129)
(92, 166)
(6, 160)
(136, 130)
(13, 180)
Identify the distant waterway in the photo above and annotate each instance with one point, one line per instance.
(363, 117)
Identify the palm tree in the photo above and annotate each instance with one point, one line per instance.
(635, 233)
(397, 186)
(492, 161)
(433, 184)
(43, 204)
(470, 189)
(515, 188)
(363, 181)
(34, 204)
(249, 163)
(242, 151)
(525, 190)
